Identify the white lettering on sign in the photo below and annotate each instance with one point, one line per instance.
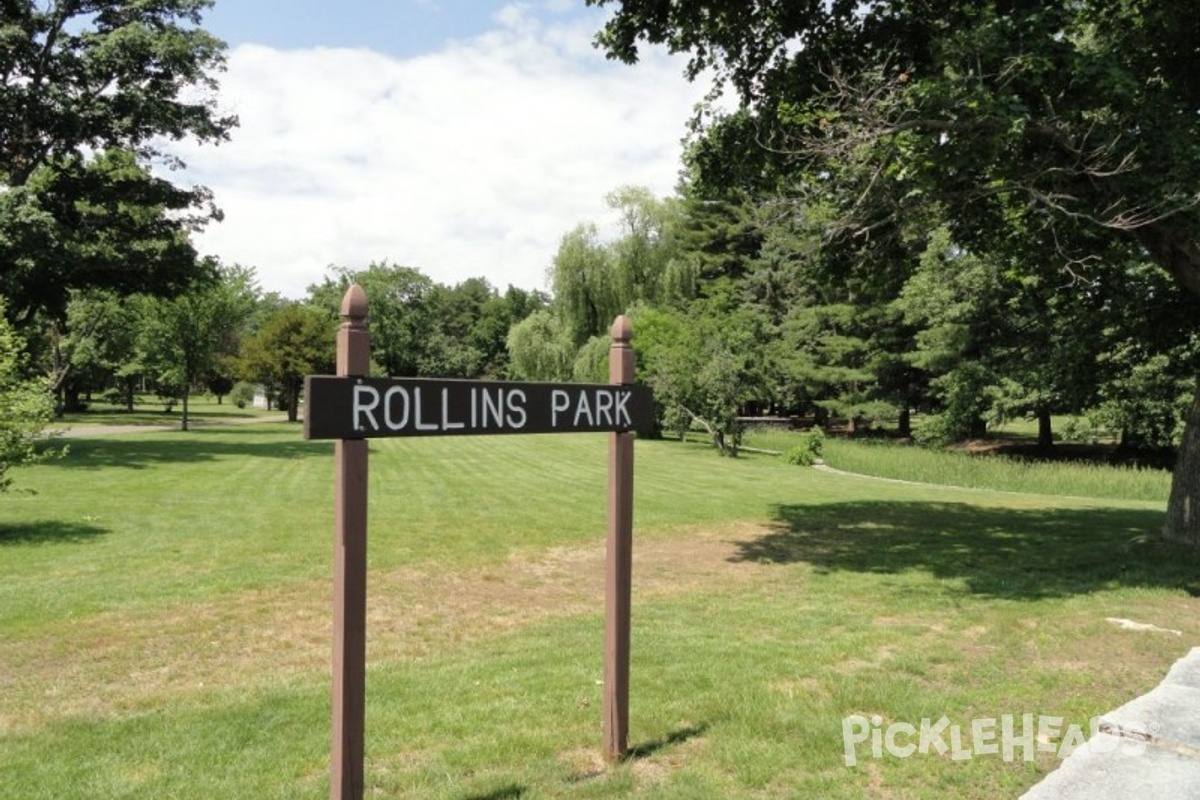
(360, 408)
(440, 408)
(604, 406)
(623, 418)
(421, 426)
(582, 409)
(389, 403)
(493, 407)
(516, 409)
(559, 401)
(447, 425)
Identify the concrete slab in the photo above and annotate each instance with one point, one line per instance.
(1148, 749)
(1111, 768)
(1170, 713)
(1186, 671)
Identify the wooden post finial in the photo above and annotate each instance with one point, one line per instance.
(622, 329)
(354, 304)
(353, 339)
(620, 354)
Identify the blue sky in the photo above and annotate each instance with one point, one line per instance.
(401, 28)
(461, 138)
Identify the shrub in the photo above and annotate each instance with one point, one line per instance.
(242, 394)
(808, 451)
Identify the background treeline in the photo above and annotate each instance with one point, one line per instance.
(225, 335)
(740, 308)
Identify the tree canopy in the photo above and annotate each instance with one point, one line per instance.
(1057, 142)
(1065, 122)
(101, 74)
(91, 91)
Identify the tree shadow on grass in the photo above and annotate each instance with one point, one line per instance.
(1021, 554)
(142, 450)
(48, 532)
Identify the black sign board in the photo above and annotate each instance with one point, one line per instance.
(366, 408)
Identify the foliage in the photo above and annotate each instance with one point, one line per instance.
(702, 365)
(423, 328)
(1064, 133)
(242, 394)
(108, 73)
(540, 348)
(180, 339)
(295, 341)
(807, 451)
(91, 92)
(595, 280)
(104, 222)
(591, 362)
(219, 385)
(25, 408)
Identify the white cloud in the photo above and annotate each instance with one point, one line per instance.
(473, 160)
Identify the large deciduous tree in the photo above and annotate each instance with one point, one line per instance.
(295, 341)
(399, 318)
(182, 337)
(1070, 130)
(90, 93)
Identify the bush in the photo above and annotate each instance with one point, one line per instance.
(808, 451)
(1079, 429)
(242, 394)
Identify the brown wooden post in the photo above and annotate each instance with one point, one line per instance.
(619, 566)
(350, 569)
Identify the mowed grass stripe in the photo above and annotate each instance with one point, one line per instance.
(168, 517)
(770, 601)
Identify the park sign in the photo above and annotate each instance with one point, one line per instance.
(365, 408)
(352, 407)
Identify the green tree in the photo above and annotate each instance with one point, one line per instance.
(585, 283)
(595, 280)
(296, 341)
(25, 407)
(496, 317)
(95, 347)
(703, 365)
(541, 348)
(1068, 126)
(182, 337)
(104, 222)
(91, 92)
(399, 319)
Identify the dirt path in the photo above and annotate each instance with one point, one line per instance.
(88, 430)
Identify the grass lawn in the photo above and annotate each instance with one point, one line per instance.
(164, 620)
(150, 411)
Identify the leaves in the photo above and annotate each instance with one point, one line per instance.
(25, 408)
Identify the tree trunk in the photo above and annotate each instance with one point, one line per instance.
(186, 391)
(293, 402)
(1045, 432)
(1183, 509)
(904, 426)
